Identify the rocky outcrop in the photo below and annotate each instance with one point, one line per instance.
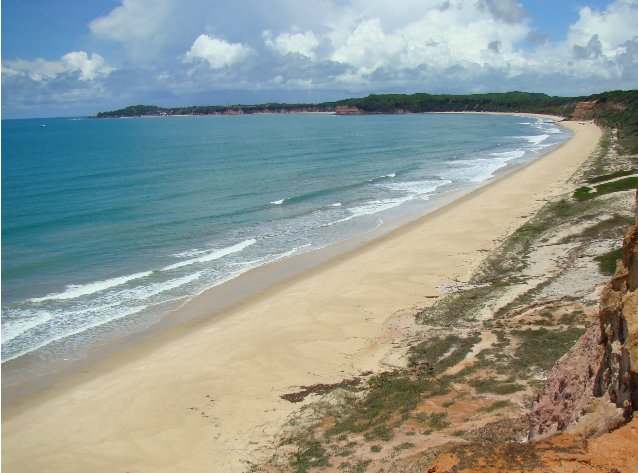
(594, 387)
(618, 375)
(569, 387)
(584, 111)
(347, 110)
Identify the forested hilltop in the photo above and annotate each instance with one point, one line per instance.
(616, 109)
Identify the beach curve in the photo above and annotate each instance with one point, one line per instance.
(207, 392)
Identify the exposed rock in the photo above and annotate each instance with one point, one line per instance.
(613, 452)
(584, 111)
(594, 387)
(347, 110)
(618, 374)
(569, 388)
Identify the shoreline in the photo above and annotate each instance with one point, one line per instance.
(332, 321)
(29, 373)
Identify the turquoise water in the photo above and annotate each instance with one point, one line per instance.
(109, 224)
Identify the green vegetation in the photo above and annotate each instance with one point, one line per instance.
(615, 109)
(359, 467)
(613, 175)
(493, 385)
(583, 193)
(309, 455)
(586, 193)
(496, 406)
(619, 109)
(607, 262)
(375, 448)
(494, 102)
(404, 446)
(152, 110)
(440, 353)
(391, 399)
(540, 349)
(438, 421)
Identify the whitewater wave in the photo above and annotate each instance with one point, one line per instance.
(75, 291)
(212, 255)
(535, 139)
(201, 256)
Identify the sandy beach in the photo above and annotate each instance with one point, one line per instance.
(204, 395)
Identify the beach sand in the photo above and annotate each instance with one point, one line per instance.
(205, 395)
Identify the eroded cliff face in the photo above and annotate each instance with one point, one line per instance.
(594, 388)
(593, 109)
(618, 374)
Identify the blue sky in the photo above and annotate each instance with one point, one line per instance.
(69, 57)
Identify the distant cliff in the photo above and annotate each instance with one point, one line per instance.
(616, 109)
(155, 111)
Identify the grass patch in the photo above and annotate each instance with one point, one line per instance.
(494, 407)
(375, 448)
(625, 184)
(607, 262)
(492, 385)
(392, 396)
(583, 193)
(360, 467)
(586, 193)
(614, 227)
(438, 421)
(541, 348)
(440, 353)
(404, 446)
(459, 306)
(613, 175)
(309, 455)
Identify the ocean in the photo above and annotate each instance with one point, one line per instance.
(109, 225)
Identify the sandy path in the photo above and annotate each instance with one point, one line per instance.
(205, 396)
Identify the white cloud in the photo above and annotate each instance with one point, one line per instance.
(143, 27)
(344, 47)
(286, 43)
(89, 68)
(368, 47)
(76, 62)
(216, 52)
(458, 34)
(613, 27)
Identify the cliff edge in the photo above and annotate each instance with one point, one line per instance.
(593, 388)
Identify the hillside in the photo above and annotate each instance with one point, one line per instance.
(615, 109)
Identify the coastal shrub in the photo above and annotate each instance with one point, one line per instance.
(404, 446)
(613, 227)
(460, 306)
(440, 353)
(359, 467)
(613, 175)
(495, 406)
(540, 348)
(625, 184)
(607, 262)
(493, 385)
(585, 193)
(437, 421)
(392, 396)
(309, 455)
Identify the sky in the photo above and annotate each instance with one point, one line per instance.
(79, 57)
